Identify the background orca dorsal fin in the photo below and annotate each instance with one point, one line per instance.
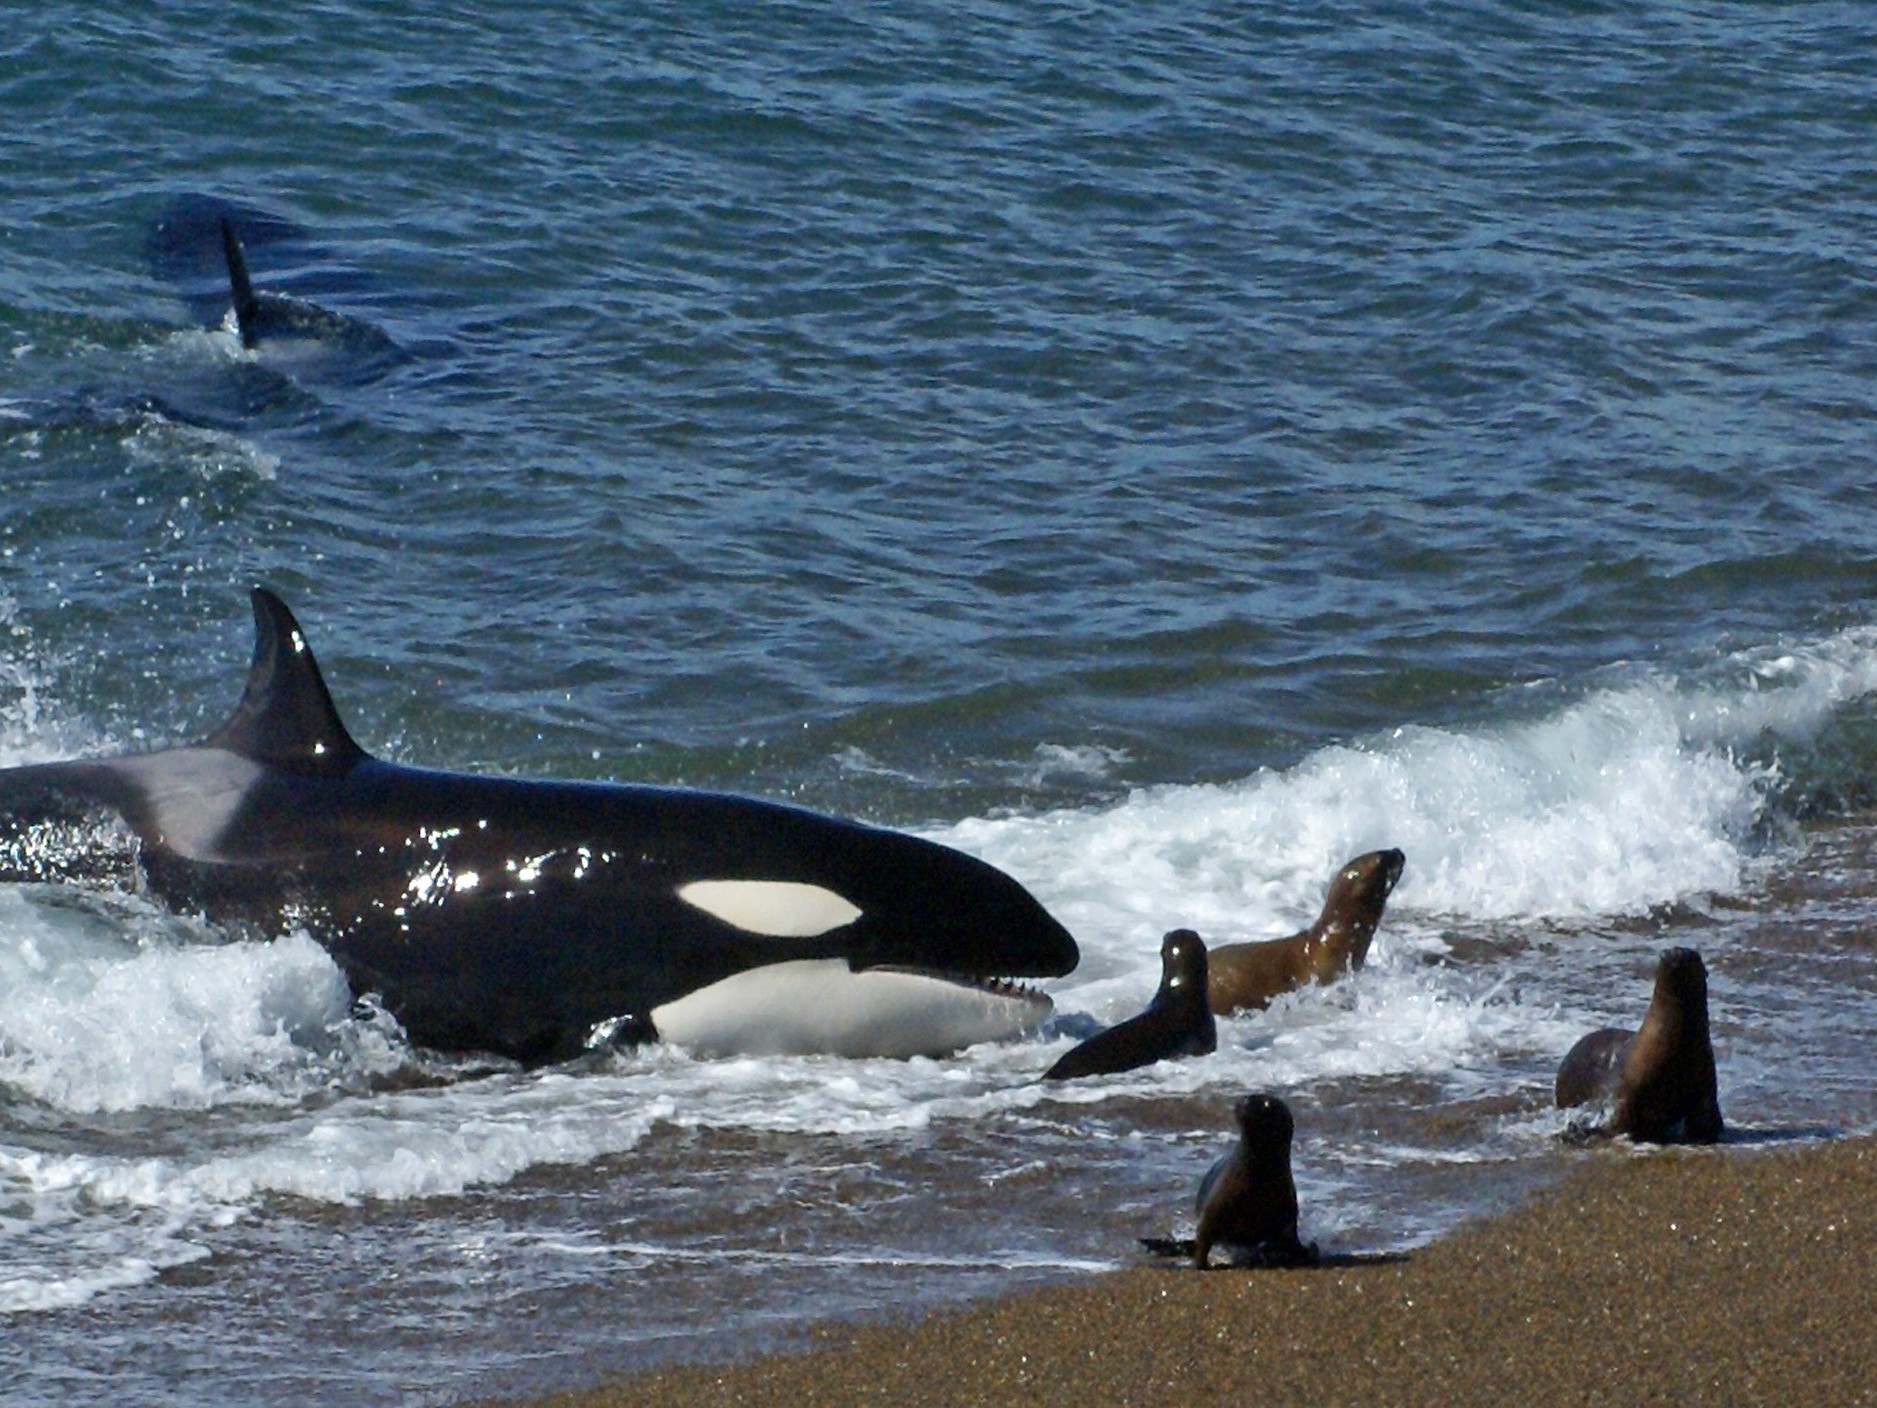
(286, 715)
(247, 306)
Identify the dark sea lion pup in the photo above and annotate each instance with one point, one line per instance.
(1659, 1080)
(1251, 975)
(1176, 1023)
(1247, 1201)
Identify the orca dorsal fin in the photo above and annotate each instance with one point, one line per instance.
(247, 306)
(286, 716)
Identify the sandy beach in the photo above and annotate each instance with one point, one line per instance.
(1743, 1274)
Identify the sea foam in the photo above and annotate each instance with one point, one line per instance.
(1630, 796)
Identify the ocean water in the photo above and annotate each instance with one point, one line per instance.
(1165, 451)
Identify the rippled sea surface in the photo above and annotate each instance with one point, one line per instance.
(1165, 451)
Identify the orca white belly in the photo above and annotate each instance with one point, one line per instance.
(821, 1005)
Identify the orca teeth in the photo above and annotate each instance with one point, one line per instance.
(1009, 987)
(997, 987)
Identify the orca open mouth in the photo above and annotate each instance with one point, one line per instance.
(1014, 988)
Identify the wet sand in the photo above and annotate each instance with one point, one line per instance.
(1734, 1275)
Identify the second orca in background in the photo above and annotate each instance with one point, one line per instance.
(289, 300)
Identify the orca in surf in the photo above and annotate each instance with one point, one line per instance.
(537, 919)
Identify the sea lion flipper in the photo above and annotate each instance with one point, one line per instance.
(1168, 1246)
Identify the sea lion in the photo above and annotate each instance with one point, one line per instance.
(1176, 1023)
(1251, 975)
(1660, 1079)
(1247, 1200)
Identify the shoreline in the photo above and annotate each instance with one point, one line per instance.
(1740, 1273)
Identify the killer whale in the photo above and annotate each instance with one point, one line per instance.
(290, 324)
(279, 319)
(535, 919)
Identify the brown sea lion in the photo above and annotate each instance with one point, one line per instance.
(1248, 1201)
(1660, 1080)
(1251, 975)
(1176, 1023)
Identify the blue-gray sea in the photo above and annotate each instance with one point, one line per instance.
(1164, 449)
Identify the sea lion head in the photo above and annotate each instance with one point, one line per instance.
(1361, 888)
(1682, 978)
(1265, 1123)
(1339, 941)
(1182, 967)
